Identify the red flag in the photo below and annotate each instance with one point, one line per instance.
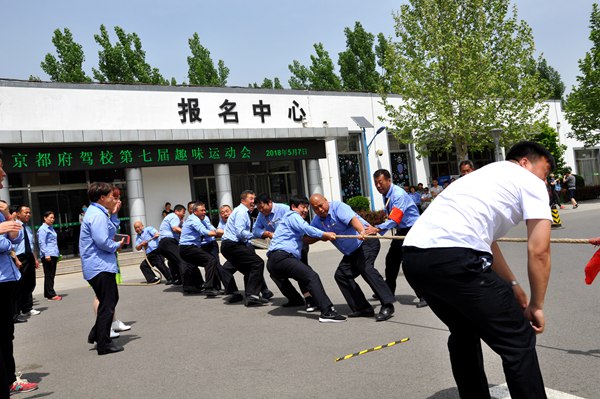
(592, 268)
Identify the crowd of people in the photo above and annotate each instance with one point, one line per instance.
(449, 256)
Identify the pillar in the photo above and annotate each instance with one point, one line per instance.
(223, 183)
(135, 196)
(314, 177)
(4, 193)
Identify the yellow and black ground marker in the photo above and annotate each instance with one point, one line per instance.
(372, 349)
(555, 218)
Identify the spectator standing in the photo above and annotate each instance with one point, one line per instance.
(29, 262)
(48, 243)
(570, 182)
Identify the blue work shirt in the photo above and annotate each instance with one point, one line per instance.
(166, 227)
(96, 245)
(20, 247)
(207, 239)
(269, 223)
(192, 231)
(416, 197)
(47, 240)
(8, 269)
(338, 221)
(291, 229)
(237, 228)
(147, 235)
(221, 224)
(396, 197)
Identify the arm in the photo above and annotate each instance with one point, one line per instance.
(101, 235)
(500, 266)
(259, 230)
(358, 226)
(538, 269)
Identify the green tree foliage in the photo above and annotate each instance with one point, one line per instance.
(125, 61)
(267, 84)
(550, 80)
(320, 75)
(202, 71)
(68, 67)
(277, 84)
(382, 49)
(583, 104)
(33, 78)
(357, 63)
(548, 137)
(462, 68)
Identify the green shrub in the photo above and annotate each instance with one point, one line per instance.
(359, 203)
(579, 181)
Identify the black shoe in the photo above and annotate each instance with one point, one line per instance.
(293, 303)
(422, 303)
(154, 280)
(368, 312)
(168, 282)
(267, 294)
(91, 340)
(385, 313)
(331, 316)
(192, 290)
(111, 348)
(255, 300)
(234, 298)
(177, 282)
(311, 306)
(211, 292)
(18, 320)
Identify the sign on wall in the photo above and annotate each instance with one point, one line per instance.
(20, 159)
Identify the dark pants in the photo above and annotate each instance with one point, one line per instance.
(213, 249)
(244, 259)
(282, 266)
(156, 260)
(198, 257)
(476, 304)
(7, 330)
(105, 288)
(180, 270)
(362, 263)
(393, 260)
(25, 287)
(49, 274)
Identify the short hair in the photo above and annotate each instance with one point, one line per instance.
(298, 200)
(466, 162)
(188, 204)
(224, 206)
(246, 193)
(167, 203)
(530, 150)
(98, 189)
(13, 209)
(382, 172)
(197, 205)
(179, 207)
(262, 198)
(48, 213)
(20, 207)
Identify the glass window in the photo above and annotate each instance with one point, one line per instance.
(587, 166)
(351, 166)
(107, 175)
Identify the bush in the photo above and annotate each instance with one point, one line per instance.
(359, 203)
(373, 217)
(587, 193)
(579, 181)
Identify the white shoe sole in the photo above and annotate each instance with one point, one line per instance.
(321, 320)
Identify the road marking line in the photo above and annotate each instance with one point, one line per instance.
(501, 392)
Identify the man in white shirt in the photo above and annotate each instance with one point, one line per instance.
(451, 257)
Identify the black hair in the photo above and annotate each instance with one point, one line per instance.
(380, 172)
(530, 150)
(179, 207)
(298, 200)
(98, 189)
(466, 162)
(20, 207)
(262, 198)
(47, 213)
(246, 193)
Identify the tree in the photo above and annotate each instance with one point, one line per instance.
(548, 137)
(357, 62)
(69, 65)
(382, 49)
(125, 62)
(462, 69)
(320, 75)
(300, 79)
(202, 71)
(551, 80)
(267, 84)
(277, 84)
(582, 107)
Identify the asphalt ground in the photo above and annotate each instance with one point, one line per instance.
(194, 347)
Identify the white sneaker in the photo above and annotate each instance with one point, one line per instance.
(114, 334)
(32, 312)
(118, 325)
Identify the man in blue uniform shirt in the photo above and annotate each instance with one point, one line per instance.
(147, 240)
(29, 262)
(402, 213)
(359, 257)
(284, 260)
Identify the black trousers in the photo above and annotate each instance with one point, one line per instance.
(49, 274)
(244, 259)
(26, 285)
(180, 270)
(7, 331)
(393, 260)
(156, 260)
(476, 304)
(362, 263)
(199, 257)
(107, 292)
(213, 249)
(282, 266)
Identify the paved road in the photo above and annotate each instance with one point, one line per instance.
(190, 347)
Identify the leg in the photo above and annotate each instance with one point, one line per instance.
(344, 277)
(165, 247)
(49, 273)
(246, 261)
(280, 265)
(106, 290)
(158, 261)
(365, 266)
(147, 271)
(393, 260)
(7, 329)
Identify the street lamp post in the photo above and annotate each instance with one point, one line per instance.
(496, 133)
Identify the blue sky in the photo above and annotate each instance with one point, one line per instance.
(256, 39)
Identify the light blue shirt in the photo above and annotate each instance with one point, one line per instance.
(192, 231)
(416, 197)
(291, 229)
(20, 247)
(207, 239)
(96, 245)
(238, 225)
(338, 221)
(221, 225)
(8, 269)
(269, 223)
(396, 197)
(166, 227)
(147, 235)
(47, 240)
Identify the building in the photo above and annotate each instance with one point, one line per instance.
(163, 143)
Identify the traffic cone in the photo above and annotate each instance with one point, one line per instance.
(555, 218)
